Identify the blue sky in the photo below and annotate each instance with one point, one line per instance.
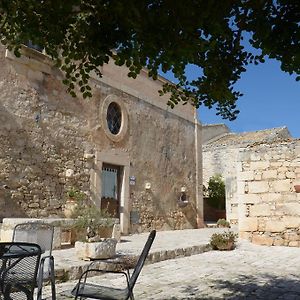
(271, 99)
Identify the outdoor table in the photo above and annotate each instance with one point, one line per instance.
(18, 267)
(17, 250)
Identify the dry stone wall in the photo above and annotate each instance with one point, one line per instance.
(269, 207)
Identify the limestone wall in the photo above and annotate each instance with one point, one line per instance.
(49, 141)
(269, 207)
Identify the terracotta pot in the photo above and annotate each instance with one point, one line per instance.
(297, 188)
(70, 207)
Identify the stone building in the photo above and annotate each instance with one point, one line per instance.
(260, 170)
(221, 150)
(123, 148)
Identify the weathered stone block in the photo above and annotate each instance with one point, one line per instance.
(248, 224)
(293, 244)
(291, 236)
(259, 165)
(271, 197)
(247, 175)
(275, 226)
(245, 235)
(290, 175)
(258, 187)
(291, 222)
(262, 240)
(281, 185)
(96, 250)
(249, 198)
(116, 233)
(260, 210)
(289, 208)
(270, 174)
(278, 241)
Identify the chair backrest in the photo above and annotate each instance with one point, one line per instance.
(35, 232)
(19, 264)
(141, 261)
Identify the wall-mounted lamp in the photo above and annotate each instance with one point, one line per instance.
(183, 200)
(37, 117)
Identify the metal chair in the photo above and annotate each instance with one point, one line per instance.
(41, 234)
(19, 264)
(85, 289)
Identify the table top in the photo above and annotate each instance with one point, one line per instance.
(18, 250)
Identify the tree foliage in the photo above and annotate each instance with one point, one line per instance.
(164, 35)
(215, 192)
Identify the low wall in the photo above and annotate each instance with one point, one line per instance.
(269, 207)
(59, 224)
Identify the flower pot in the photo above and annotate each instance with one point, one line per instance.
(297, 188)
(70, 207)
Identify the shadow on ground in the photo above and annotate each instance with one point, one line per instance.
(245, 287)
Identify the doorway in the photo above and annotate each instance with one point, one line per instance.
(111, 189)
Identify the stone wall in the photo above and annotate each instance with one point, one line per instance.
(221, 156)
(48, 139)
(211, 131)
(269, 207)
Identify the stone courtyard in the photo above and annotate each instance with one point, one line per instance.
(248, 272)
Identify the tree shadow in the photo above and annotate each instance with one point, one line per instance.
(246, 287)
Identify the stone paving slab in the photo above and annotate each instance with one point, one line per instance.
(248, 272)
(167, 245)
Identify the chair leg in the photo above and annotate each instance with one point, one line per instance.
(40, 281)
(52, 278)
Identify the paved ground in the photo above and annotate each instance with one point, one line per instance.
(167, 244)
(248, 272)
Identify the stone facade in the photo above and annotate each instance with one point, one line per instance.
(260, 170)
(269, 207)
(221, 155)
(51, 141)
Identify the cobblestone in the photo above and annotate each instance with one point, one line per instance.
(248, 272)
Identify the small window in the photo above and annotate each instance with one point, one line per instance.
(114, 118)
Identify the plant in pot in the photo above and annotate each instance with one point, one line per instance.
(222, 223)
(223, 241)
(74, 198)
(94, 230)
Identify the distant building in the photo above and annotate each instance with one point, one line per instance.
(261, 170)
(221, 150)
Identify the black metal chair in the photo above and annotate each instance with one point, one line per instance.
(86, 289)
(41, 234)
(19, 264)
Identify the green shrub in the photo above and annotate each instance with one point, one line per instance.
(223, 223)
(216, 192)
(223, 241)
(75, 194)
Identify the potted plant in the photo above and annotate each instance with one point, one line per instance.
(222, 223)
(94, 234)
(223, 241)
(74, 198)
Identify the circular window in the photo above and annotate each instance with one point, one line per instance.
(114, 118)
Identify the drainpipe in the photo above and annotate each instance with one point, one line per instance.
(198, 160)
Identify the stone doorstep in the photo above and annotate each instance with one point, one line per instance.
(74, 272)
